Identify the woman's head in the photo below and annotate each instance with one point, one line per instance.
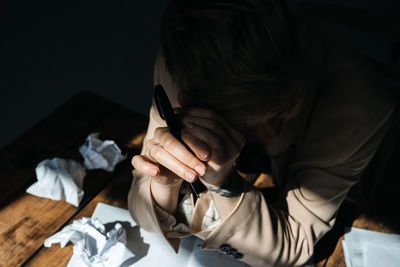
(234, 56)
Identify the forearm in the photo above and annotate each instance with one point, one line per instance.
(165, 196)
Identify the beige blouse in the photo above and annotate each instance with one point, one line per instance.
(315, 160)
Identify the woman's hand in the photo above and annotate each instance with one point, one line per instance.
(205, 128)
(168, 161)
(214, 142)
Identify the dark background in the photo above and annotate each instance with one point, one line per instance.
(52, 50)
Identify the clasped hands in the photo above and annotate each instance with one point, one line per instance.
(214, 141)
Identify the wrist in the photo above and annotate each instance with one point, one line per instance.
(230, 188)
(166, 196)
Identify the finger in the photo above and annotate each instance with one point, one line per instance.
(167, 177)
(210, 124)
(216, 128)
(205, 136)
(164, 158)
(158, 133)
(145, 166)
(163, 176)
(210, 114)
(180, 152)
(199, 148)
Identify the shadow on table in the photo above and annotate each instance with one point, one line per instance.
(138, 247)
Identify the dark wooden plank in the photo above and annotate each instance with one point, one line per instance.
(27, 221)
(51, 137)
(114, 194)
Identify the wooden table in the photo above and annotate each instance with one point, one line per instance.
(26, 221)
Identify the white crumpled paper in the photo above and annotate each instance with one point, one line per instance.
(93, 246)
(59, 179)
(100, 154)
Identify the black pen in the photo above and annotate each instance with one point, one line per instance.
(167, 113)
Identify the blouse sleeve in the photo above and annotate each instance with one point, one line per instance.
(285, 234)
(140, 201)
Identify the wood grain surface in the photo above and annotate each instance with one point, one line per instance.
(115, 194)
(51, 137)
(26, 220)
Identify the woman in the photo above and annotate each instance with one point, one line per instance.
(252, 83)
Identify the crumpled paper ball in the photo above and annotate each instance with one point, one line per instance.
(100, 154)
(93, 246)
(59, 179)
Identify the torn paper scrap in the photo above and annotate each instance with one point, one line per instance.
(93, 245)
(59, 179)
(100, 154)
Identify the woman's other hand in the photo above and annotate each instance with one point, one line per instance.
(205, 128)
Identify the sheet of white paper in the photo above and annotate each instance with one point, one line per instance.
(153, 250)
(94, 245)
(117, 253)
(357, 235)
(150, 249)
(378, 254)
(59, 179)
(100, 154)
(355, 242)
(346, 252)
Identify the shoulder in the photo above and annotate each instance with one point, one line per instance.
(350, 106)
